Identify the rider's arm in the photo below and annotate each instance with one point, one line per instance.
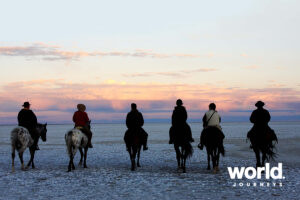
(127, 120)
(142, 119)
(34, 119)
(74, 117)
(252, 117)
(204, 118)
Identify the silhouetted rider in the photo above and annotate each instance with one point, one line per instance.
(27, 119)
(211, 119)
(80, 118)
(260, 119)
(134, 123)
(179, 118)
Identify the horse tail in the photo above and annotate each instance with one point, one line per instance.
(69, 142)
(222, 150)
(188, 150)
(270, 152)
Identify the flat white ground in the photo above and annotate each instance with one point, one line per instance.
(109, 177)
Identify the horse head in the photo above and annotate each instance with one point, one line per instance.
(43, 131)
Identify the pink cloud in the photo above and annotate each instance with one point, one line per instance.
(181, 73)
(55, 99)
(53, 53)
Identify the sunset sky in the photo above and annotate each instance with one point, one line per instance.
(107, 54)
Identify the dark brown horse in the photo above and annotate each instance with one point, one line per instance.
(263, 140)
(134, 140)
(214, 147)
(182, 145)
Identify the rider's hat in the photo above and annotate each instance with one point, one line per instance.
(259, 104)
(26, 104)
(81, 107)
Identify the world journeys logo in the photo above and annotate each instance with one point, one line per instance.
(261, 176)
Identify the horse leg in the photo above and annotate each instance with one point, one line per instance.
(30, 160)
(70, 167)
(138, 157)
(85, 156)
(256, 151)
(264, 156)
(13, 159)
(81, 156)
(130, 155)
(21, 159)
(217, 161)
(133, 155)
(214, 159)
(208, 159)
(183, 167)
(177, 155)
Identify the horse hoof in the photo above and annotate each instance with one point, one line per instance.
(85, 166)
(13, 170)
(80, 164)
(138, 165)
(215, 170)
(208, 168)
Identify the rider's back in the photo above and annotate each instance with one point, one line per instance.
(134, 119)
(260, 117)
(27, 119)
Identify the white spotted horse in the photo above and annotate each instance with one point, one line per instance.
(76, 139)
(21, 140)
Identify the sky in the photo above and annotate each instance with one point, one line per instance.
(108, 54)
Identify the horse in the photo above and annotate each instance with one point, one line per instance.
(182, 145)
(76, 139)
(262, 143)
(20, 139)
(134, 141)
(213, 143)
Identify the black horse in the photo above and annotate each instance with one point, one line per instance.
(134, 140)
(263, 142)
(182, 145)
(214, 146)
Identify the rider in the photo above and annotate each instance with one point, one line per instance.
(260, 118)
(134, 122)
(179, 118)
(27, 119)
(210, 119)
(80, 118)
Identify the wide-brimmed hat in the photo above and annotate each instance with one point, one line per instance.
(81, 107)
(26, 104)
(259, 104)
